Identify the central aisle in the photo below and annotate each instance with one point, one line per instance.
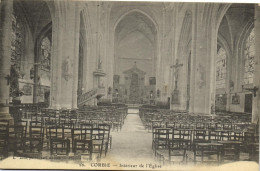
(133, 144)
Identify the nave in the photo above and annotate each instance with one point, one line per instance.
(127, 143)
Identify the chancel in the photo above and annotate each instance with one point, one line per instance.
(144, 84)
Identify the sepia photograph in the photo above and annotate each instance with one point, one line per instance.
(129, 85)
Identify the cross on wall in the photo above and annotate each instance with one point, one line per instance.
(176, 67)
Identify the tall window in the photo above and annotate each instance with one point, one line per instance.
(17, 41)
(221, 68)
(45, 56)
(249, 55)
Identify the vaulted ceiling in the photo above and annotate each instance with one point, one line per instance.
(234, 22)
(136, 22)
(36, 13)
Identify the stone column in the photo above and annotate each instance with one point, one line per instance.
(211, 79)
(256, 99)
(202, 65)
(65, 48)
(5, 56)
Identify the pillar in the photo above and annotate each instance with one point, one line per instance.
(256, 99)
(5, 56)
(202, 71)
(65, 49)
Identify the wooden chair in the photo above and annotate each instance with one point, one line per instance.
(4, 134)
(76, 135)
(208, 152)
(59, 148)
(214, 135)
(227, 131)
(34, 142)
(185, 134)
(160, 142)
(86, 131)
(83, 149)
(177, 151)
(231, 150)
(116, 122)
(73, 116)
(253, 150)
(200, 135)
(59, 144)
(98, 136)
(107, 136)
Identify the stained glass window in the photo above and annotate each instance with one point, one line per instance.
(45, 56)
(249, 54)
(17, 41)
(221, 68)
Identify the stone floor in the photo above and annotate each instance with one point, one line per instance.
(132, 143)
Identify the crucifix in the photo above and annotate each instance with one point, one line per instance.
(176, 72)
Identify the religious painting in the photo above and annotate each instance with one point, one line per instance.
(45, 54)
(152, 81)
(27, 90)
(220, 102)
(134, 94)
(236, 99)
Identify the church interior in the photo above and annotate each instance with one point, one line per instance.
(164, 84)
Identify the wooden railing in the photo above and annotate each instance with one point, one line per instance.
(87, 96)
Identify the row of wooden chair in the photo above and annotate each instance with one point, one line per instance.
(148, 115)
(191, 136)
(59, 140)
(58, 117)
(170, 143)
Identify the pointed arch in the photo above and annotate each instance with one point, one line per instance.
(133, 11)
(185, 35)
